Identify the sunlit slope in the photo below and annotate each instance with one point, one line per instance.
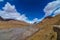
(47, 32)
(45, 28)
(13, 24)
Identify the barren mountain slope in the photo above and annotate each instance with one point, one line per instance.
(15, 30)
(13, 24)
(19, 30)
(47, 32)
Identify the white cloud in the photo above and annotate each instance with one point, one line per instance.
(52, 7)
(34, 20)
(9, 12)
(56, 12)
(1, 0)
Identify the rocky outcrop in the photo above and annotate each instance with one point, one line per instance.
(56, 29)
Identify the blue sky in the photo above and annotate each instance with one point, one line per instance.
(29, 11)
(31, 8)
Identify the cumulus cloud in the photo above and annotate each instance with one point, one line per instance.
(52, 8)
(9, 12)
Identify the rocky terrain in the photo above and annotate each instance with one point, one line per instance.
(15, 30)
(48, 29)
(11, 23)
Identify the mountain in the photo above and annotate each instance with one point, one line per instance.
(11, 23)
(1, 19)
(48, 29)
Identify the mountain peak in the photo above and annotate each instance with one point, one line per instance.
(1, 19)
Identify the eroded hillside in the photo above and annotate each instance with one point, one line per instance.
(13, 24)
(19, 30)
(48, 31)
